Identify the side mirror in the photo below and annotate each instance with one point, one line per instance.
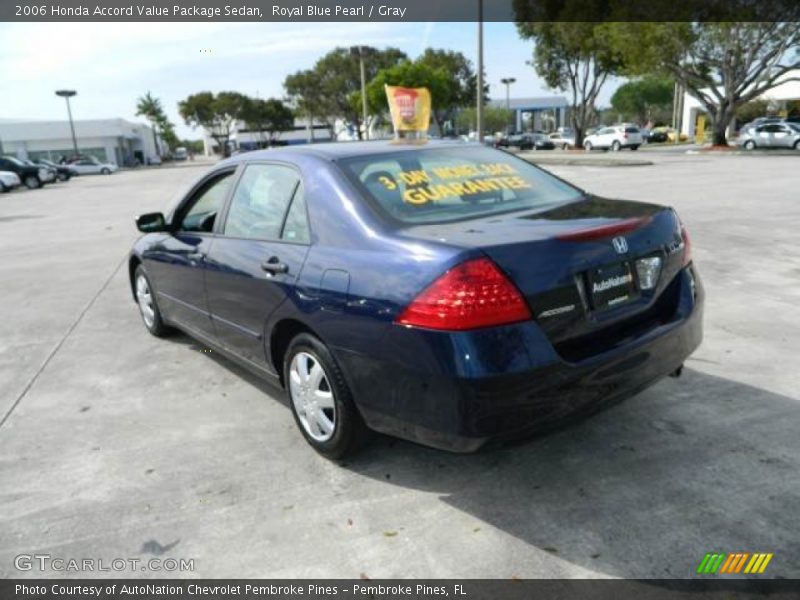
(151, 222)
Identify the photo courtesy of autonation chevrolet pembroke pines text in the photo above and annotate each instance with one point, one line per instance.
(468, 299)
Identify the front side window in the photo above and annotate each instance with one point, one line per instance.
(260, 202)
(453, 184)
(206, 205)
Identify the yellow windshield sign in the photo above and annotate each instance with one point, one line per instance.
(456, 181)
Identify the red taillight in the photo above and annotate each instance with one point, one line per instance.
(687, 246)
(471, 295)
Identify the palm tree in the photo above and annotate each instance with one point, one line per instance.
(150, 108)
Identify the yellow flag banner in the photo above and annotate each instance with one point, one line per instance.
(410, 108)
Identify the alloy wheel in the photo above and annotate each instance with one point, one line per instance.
(145, 299)
(312, 396)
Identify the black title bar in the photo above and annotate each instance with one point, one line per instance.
(399, 10)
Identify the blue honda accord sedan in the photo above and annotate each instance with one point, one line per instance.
(447, 293)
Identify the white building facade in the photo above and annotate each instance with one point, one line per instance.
(109, 140)
(778, 97)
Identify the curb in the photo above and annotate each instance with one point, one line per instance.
(538, 159)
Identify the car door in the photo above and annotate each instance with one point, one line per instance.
(763, 136)
(177, 263)
(255, 260)
(604, 137)
(781, 136)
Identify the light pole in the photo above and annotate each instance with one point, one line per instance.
(67, 94)
(507, 81)
(479, 104)
(362, 52)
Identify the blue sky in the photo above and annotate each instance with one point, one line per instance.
(111, 64)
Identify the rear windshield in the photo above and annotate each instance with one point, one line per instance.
(451, 184)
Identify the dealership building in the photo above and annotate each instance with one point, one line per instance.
(109, 140)
(544, 113)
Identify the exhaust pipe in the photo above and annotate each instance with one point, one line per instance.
(677, 372)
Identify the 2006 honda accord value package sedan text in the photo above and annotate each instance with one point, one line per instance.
(445, 293)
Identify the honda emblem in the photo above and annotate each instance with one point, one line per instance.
(620, 245)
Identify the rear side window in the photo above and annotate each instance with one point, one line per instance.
(260, 202)
(631, 130)
(452, 184)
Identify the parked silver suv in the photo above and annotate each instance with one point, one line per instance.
(614, 138)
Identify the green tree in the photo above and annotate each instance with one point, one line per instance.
(167, 132)
(268, 117)
(307, 98)
(217, 114)
(752, 110)
(328, 90)
(723, 65)
(150, 108)
(408, 74)
(571, 56)
(461, 84)
(643, 100)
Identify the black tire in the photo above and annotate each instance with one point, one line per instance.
(349, 432)
(634, 147)
(749, 145)
(32, 182)
(105, 171)
(156, 327)
(796, 145)
(3, 188)
(587, 146)
(615, 146)
(63, 177)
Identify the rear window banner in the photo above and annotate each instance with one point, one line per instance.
(410, 109)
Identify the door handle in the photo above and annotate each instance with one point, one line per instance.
(274, 265)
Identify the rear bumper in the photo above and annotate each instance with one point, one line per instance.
(458, 391)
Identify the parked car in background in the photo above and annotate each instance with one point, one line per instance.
(8, 181)
(47, 173)
(484, 299)
(31, 176)
(92, 166)
(180, 153)
(154, 161)
(760, 121)
(654, 136)
(563, 139)
(63, 172)
(614, 138)
(771, 135)
(530, 141)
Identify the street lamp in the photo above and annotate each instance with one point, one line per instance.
(67, 94)
(479, 78)
(507, 81)
(362, 52)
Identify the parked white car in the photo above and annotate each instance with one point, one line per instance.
(614, 138)
(8, 181)
(87, 166)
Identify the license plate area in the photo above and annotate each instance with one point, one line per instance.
(611, 286)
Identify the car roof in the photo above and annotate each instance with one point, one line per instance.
(337, 150)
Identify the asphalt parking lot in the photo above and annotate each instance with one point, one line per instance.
(118, 445)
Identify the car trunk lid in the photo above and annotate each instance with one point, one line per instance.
(575, 264)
